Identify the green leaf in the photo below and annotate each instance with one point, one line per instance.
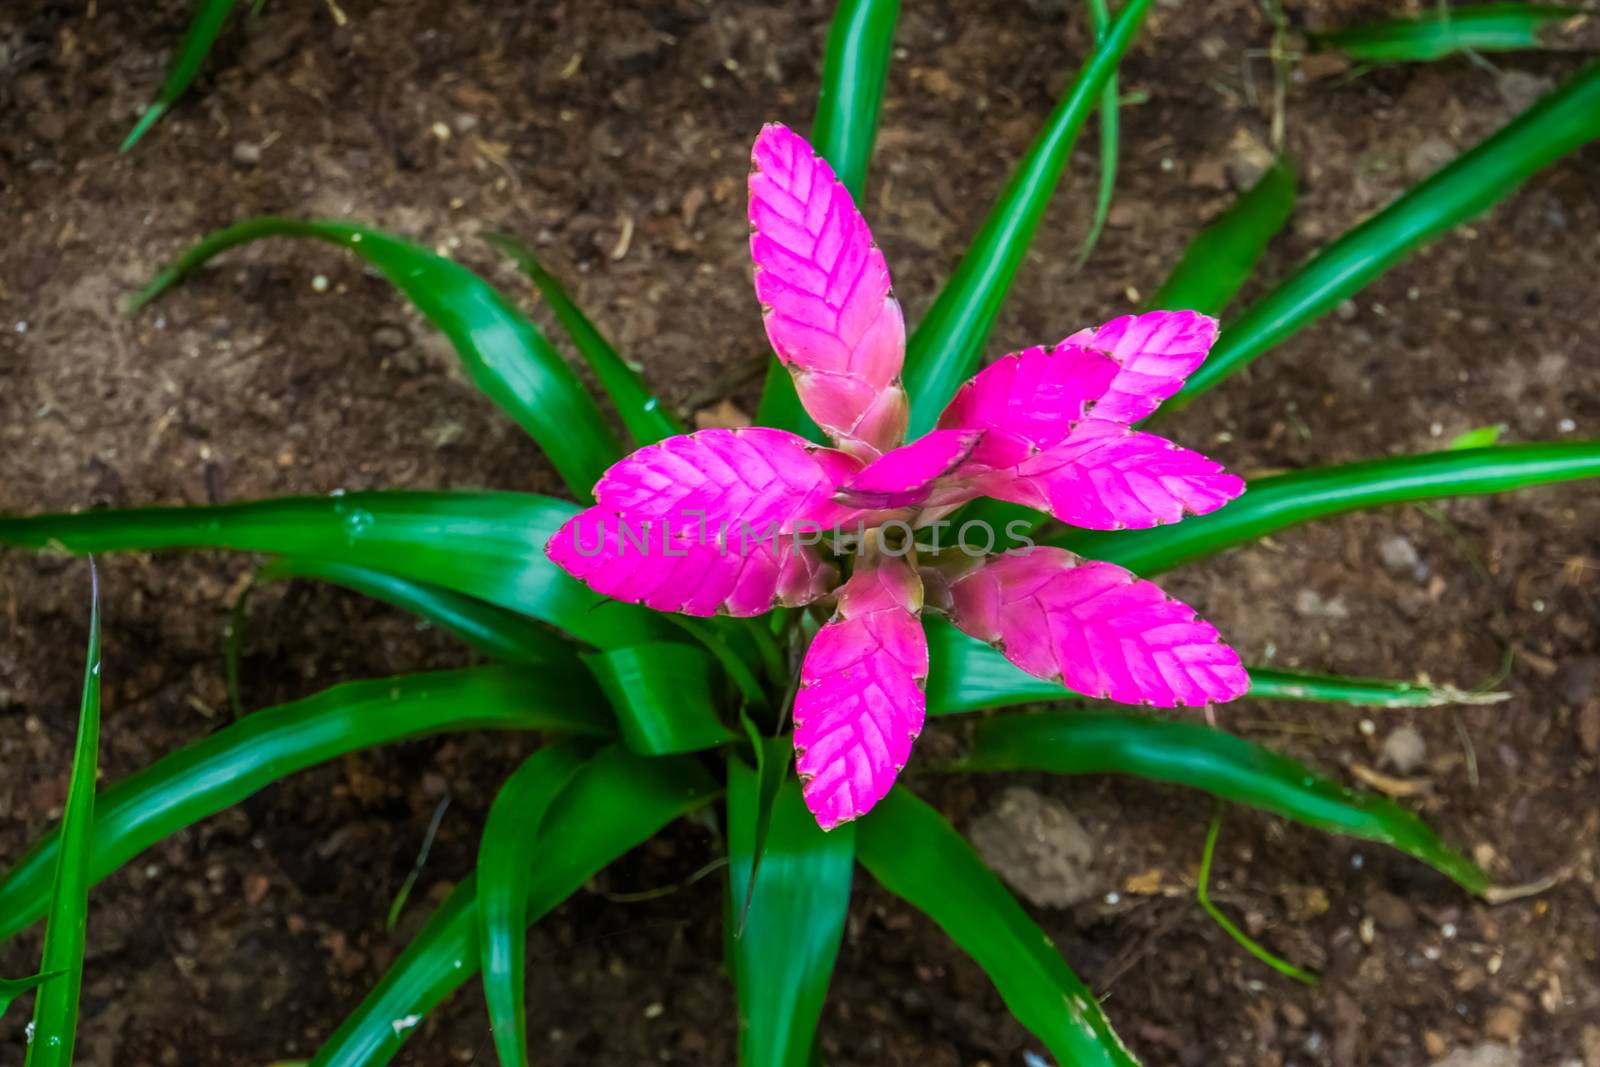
(1222, 257)
(1562, 121)
(966, 674)
(1272, 504)
(55, 1008)
(12, 988)
(505, 354)
(662, 694)
(1446, 30)
(209, 15)
(1267, 684)
(641, 410)
(854, 69)
(239, 760)
(793, 903)
(494, 631)
(507, 859)
(918, 856)
(1110, 108)
(1183, 753)
(945, 348)
(1479, 437)
(615, 802)
(486, 545)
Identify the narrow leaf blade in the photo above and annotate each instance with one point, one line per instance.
(507, 859)
(945, 348)
(486, 545)
(1561, 122)
(1447, 30)
(55, 1009)
(646, 419)
(1222, 257)
(505, 354)
(614, 803)
(1182, 753)
(209, 15)
(238, 761)
(662, 696)
(793, 894)
(1272, 504)
(918, 856)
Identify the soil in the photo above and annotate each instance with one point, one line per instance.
(613, 137)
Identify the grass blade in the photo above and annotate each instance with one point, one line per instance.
(496, 632)
(855, 67)
(1562, 121)
(507, 859)
(487, 545)
(504, 353)
(239, 760)
(641, 410)
(1202, 893)
(790, 894)
(1222, 257)
(614, 802)
(1184, 753)
(1110, 123)
(209, 15)
(1272, 504)
(1447, 30)
(919, 857)
(55, 1008)
(966, 674)
(662, 696)
(946, 346)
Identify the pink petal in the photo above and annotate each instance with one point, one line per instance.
(943, 465)
(824, 291)
(1037, 395)
(860, 702)
(647, 562)
(1095, 628)
(1108, 477)
(709, 522)
(1156, 351)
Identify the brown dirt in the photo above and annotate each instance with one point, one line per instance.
(247, 939)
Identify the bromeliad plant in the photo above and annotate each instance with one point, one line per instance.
(652, 715)
(718, 521)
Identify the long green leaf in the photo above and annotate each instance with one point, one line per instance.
(854, 70)
(12, 988)
(966, 674)
(55, 1009)
(641, 410)
(1446, 30)
(496, 632)
(209, 15)
(1184, 753)
(1564, 120)
(1221, 258)
(615, 802)
(918, 856)
(791, 894)
(945, 348)
(1272, 504)
(507, 859)
(487, 545)
(505, 354)
(1110, 127)
(662, 695)
(239, 760)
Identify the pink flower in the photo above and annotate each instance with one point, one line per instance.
(741, 521)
